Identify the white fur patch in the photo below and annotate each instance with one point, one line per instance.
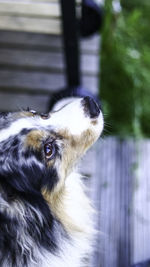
(72, 251)
(71, 117)
(15, 128)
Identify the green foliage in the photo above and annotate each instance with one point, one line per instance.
(125, 68)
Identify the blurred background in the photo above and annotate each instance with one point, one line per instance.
(125, 81)
(125, 94)
(108, 54)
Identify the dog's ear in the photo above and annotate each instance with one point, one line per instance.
(28, 179)
(23, 180)
(13, 186)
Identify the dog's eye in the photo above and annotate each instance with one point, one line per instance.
(49, 150)
(44, 116)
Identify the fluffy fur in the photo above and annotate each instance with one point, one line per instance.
(44, 213)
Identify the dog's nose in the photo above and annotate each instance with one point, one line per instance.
(91, 107)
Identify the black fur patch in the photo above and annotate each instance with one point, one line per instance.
(29, 179)
(23, 175)
(18, 186)
(43, 235)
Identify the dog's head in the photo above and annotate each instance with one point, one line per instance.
(39, 151)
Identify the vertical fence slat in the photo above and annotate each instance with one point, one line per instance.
(113, 199)
(141, 204)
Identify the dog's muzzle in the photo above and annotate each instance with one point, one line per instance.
(91, 108)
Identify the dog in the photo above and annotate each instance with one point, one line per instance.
(45, 216)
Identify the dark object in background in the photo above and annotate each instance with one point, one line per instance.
(90, 23)
(92, 18)
(142, 264)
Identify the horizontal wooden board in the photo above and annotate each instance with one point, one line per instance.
(30, 24)
(13, 102)
(31, 81)
(44, 41)
(32, 1)
(90, 83)
(43, 1)
(45, 60)
(24, 40)
(26, 81)
(35, 99)
(31, 16)
(26, 8)
(91, 44)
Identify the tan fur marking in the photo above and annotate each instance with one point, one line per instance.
(73, 148)
(24, 114)
(56, 203)
(95, 122)
(34, 139)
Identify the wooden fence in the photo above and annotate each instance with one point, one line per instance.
(121, 192)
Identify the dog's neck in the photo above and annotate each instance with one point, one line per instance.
(71, 206)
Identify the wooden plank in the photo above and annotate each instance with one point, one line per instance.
(26, 8)
(33, 1)
(13, 102)
(113, 198)
(26, 40)
(89, 64)
(91, 83)
(46, 60)
(30, 24)
(36, 1)
(141, 203)
(91, 44)
(32, 59)
(41, 82)
(42, 42)
(26, 81)
(45, 1)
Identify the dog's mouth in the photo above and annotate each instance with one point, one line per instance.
(92, 111)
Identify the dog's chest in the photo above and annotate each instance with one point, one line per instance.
(70, 254)
(71, 246)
